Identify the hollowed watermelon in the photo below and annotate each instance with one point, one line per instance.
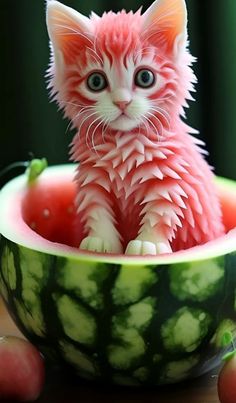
(128, 320)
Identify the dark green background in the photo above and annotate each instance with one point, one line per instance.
(29, 123)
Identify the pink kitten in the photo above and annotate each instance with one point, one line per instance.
(123, 80)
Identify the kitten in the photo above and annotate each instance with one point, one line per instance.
(123, 80)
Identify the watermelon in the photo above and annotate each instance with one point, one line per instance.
(132, 320)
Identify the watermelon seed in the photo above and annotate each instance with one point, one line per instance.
(46, 213)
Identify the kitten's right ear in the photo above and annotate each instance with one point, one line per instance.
(68, 30)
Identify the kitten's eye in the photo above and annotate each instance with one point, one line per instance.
(96, 82)
(144, 78)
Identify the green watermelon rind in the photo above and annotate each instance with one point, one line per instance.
(136, 340)
(116, 318)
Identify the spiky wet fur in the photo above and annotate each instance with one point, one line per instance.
(145, 187)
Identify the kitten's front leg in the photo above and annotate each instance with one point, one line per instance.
(152, 238)
(99, 224)
(149, 243)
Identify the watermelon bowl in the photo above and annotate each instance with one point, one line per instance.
(122, 319)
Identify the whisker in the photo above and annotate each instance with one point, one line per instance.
(152, 124)
(88, 130)
(83, 110)
(71, 123)
(93, 135)
(145, 124)
(165, 98)
(154, 50)
(95, 55)
(104, 128)
(139, 128)
(158, 19)
(163, 111)
(68, 127)
(73, 32)
(163, 114)
(84, 120)
(164, 15)
(83, 106)
(147, 38)
(72, 103)
(143, 50)
(158, 120)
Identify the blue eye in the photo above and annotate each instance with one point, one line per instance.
(97, 82)
(144, 78)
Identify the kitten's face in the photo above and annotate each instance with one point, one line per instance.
(118, 71)
(121, 91)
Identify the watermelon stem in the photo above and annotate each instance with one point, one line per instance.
(35, 168)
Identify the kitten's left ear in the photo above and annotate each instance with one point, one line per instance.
(166, 22)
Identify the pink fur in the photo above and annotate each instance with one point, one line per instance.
(150, 183)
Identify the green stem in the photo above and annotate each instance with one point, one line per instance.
(35, 168)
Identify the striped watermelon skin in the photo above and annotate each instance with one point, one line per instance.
(126, 324)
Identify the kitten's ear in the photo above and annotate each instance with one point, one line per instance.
(166, 22)
(68, 30)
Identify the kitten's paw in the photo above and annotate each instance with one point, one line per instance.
(139, 247)
(96, 244)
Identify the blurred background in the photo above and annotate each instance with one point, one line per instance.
(30, 124)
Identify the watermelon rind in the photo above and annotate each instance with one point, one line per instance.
(113, 318)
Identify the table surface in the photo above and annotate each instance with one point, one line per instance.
(61, 388)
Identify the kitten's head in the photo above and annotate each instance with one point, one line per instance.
(123, 71)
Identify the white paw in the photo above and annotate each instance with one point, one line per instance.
(97, 244)
(139, 247)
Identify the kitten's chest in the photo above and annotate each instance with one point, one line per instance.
(125, 165)
(129, 163)
(129, 166)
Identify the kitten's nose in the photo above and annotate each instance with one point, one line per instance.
(122, 104)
